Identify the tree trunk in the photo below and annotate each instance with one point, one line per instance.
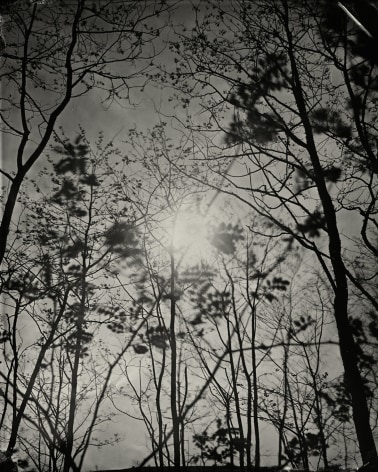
(237, 402)
(75, 376)
(8, 212)
(159, 413)
(247, 375)
(175, 417)
(348, 351)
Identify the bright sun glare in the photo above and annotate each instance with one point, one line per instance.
(190, 235)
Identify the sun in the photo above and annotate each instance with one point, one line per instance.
(190, 235)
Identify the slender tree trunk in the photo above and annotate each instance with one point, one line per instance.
(182, 442)
(237, 402)
(285, 399)
(255, 404)
(15, 420)
(166, 437)
(175, 416)
(298, 428)
(159, 412)
(56, 384)
(75, 374)
(182, 423)
(253, 308)
(318, 409)
(323, 442)
(158, 382)
(255, 391)
(229, 428)
(247, 375)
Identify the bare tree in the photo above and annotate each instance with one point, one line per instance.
(76, 239)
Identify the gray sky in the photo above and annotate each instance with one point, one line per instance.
(114, 122)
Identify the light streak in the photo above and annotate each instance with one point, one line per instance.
(353, 18)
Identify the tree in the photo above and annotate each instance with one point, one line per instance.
(76, 239)
(231, 310)
(298, 153)
(56, 53)
(159, 205)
